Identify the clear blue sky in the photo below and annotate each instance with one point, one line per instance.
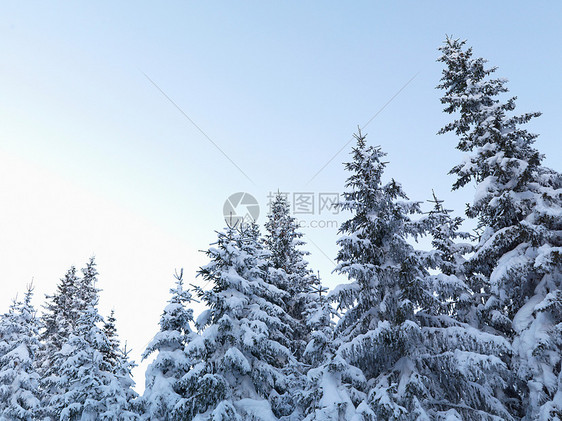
(97, 161)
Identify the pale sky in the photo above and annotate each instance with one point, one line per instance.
(95, 160)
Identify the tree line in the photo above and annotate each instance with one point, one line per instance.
(469, 330)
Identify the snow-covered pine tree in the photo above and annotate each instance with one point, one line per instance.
(60, 315)
(112, 353)
(58, 322)
(62, 312)
(170, 365)
(418, 362)
(444, 230)
(19, 346)
(123, 373)
(518, 205)
(120, 366)
(242, 366)
(461, 294)
(289, 270)
(87, 293)
(81, 383)
(318, 318)
(324, 398)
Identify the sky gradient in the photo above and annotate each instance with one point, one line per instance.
(97, 156)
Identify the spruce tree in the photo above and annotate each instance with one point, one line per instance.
(161, 395)
(112, 353)
(19, 347)
(58, 323)
(289, 270)
(418, 362)
(242, 368)
(284, 242)
(443, 228)
(518, 206)
(326, 397)
(60, 315)
(318, 318)
(461, 293)
(62, 312)
(121, 383)
(82, 383)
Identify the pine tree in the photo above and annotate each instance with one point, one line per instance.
(19, 346)
(161, 395)
(87, 293)
(461, 293)
(444, 229)
(289, 270)
(80, 375)
(82, 384)
(58, 322)
(310, 313)
(518, 205)
(121, 385)
(318, 318)
(123, 373)
(284, 241)
(112, 353)
(61, 314)
(324, 397)
(242, 368)
(417, 361)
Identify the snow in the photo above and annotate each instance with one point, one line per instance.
(19, 353)
(510, 261)
(524, 316)
(484, 188)
(204, 318)
(260, 409)
(237, 360)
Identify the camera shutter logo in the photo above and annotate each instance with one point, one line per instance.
(241, 209)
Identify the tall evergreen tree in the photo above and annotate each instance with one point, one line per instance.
(242, 366)
(58, 322)
(61, 314)
(518, 205)
(325, 397)
(161, 395)
(461, 293)
(284, 241)
(121, 384)
(19, 346)
(112, 353)
(289, 270)
(444, 229)
(419, 363)
(124, 377)
(82, 384)
(318, 318)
